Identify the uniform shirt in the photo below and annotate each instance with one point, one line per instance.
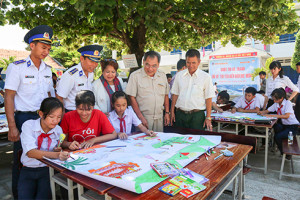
(287, 107)
(102, 98)
(261, 99)
(30, 83)
(79, 131)
(31, 130)
(254, 103)
(71, 82)
(149, 91)
(130, 118)
(192, 90)
(278, 82)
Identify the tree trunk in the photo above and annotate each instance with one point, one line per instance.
(137, 44)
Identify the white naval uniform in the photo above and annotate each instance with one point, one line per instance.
(31, 130)
(30, 83)
(278, 82)
(298, 83)
(71, 82)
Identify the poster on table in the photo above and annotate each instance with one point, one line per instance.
(233, 74)
(126, 163)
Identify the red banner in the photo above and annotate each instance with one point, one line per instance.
(236, 55)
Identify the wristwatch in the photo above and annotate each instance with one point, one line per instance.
(167, 113)
(209, 118)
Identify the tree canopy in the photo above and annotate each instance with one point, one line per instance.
(137, 25)
(296, 55)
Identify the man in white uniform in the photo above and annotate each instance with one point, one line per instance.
(28, 83)
(79, 77)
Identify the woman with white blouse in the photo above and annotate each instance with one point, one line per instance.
(106, 85)
(278, 80)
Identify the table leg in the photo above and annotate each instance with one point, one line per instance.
(282, 166)
(107, 197)
(219, 127)
(70, 189)
(241, 189)
(52, 183)
(266, 150)
(236, 129)
(292, 165)
(80, 191)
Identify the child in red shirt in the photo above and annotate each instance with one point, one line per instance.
(85, 126)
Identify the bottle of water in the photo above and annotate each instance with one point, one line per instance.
(290, 138)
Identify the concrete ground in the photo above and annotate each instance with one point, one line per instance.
(257, 184)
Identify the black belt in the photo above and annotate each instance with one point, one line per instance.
(29, 112)
(189, 112)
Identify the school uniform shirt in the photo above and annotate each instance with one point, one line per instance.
(31, 130)
(192, 90)
(261, 99)
(278, 82)
(214, 100)
(285, 107)
(79, 131)
(247, 105)
(30, 83)
(129, 118)
(236, 99)
(149, 92)
(71, 82)
(102, 98)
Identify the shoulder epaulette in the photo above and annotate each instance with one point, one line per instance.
(48, 66)
(19, 62)
(73, 71)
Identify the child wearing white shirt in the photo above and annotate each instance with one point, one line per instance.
(123, 117)
(285, 112)
(39, 138)
(248, 104)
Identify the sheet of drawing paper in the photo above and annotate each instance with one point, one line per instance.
(126, 164)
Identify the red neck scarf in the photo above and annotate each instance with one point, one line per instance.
(41, 138)
(122, 124)
(279, 110)
(248, 105)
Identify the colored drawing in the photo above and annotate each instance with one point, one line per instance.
(129, 168)
(88, 150)
(145, 137)
(72, 164)
(171, 142)
(116, 170)
(139, 145)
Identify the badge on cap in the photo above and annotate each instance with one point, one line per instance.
(46, 35)
(28, 63)
(96, 53)
(80, 73)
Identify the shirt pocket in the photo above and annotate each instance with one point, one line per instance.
(161, 89)
(29, 85)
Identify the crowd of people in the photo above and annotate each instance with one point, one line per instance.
(90, 112)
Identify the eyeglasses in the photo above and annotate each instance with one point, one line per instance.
(152, 66)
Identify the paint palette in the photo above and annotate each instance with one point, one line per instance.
(164, 169)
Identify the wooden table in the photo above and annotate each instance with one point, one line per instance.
(267, 127)
(220, 172)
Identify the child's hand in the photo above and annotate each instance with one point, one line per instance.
(74, 145)
(57, 149)
(63, 155)
(260, 113)
(122, 136)
(220, 110)
(88, 144)
(151, 133)
(233, 110)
